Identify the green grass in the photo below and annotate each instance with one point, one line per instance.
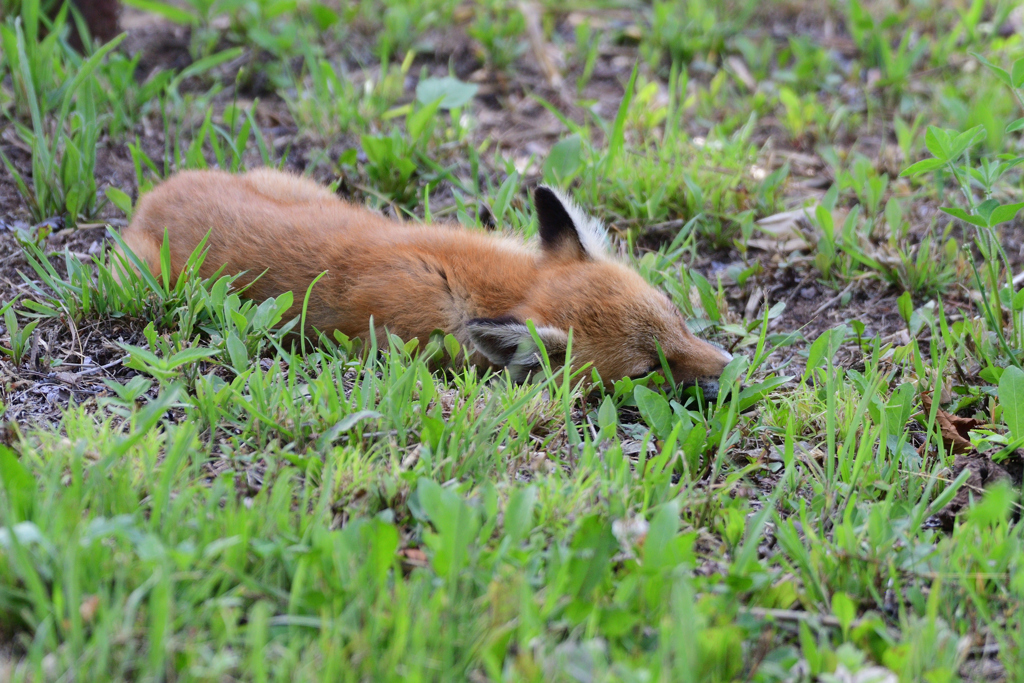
(229, 503)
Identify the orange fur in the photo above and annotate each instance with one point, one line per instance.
(414, 279)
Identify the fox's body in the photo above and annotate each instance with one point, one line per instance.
(413, 279)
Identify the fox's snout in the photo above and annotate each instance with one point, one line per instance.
(709, 385)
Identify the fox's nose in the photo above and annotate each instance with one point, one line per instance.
(710, 388)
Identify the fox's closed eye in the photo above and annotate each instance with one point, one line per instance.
(654, 368)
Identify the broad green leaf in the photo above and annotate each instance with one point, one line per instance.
(1017, 73)
(1011, 399)
(186, 356)
(957, 212)
(986, 208)
(503, 199)
(707, 295)
(416, 122)
(139, 353)
(382, 539)
(452, 346)
(349, 421)
(789, 99)
(658, 546)
(344, 425)
(205, 64)
(693, 447)
(593, 547)
(1005, 213)
(324, 16)
(349, 157)
(809, 647)
(237, 352)
(18, 483)
(1015, 125)
(564, 161)
(922, 167)
(1018, 300)
(456, 525)
(844, 610)
(937, 142)
(655, 410)
(964, 140)
(899, 408)
(432, 431)
(754, 393)
(378, 148)
(452, 92)
(1000, 72)
(825, 222)
(831, 197)
(905, 305)
(825, 346)
(519, 513)
(607, 418)
(120, 199)
(731, 374)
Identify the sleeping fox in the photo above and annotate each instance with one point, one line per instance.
(413, 279)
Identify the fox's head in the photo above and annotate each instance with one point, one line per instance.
(617, 319)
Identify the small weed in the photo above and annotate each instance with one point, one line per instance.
(63, 149)
(682, 31)
(18, 337)
(329, 103)
(498, 26)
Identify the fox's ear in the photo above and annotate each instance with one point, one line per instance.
(507, 342)
(566, 231)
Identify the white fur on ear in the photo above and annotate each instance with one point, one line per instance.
(508, 343)
(591, 232)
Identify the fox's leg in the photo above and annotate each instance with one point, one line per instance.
(287, 188)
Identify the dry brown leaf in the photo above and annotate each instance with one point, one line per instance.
(788, 246)
(88, 608)
(955, 430)
(786, 225)
(69, 378)
(807, 453)
(739, 67)
(786, 231)
(410, 460)
(414, 557)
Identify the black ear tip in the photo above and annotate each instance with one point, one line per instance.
(485, 217)
(547, 201)
(544, 193)
(551, 210)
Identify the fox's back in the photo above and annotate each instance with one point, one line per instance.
(258, 221)
(288, 231)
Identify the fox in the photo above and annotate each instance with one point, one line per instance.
(279, 232)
